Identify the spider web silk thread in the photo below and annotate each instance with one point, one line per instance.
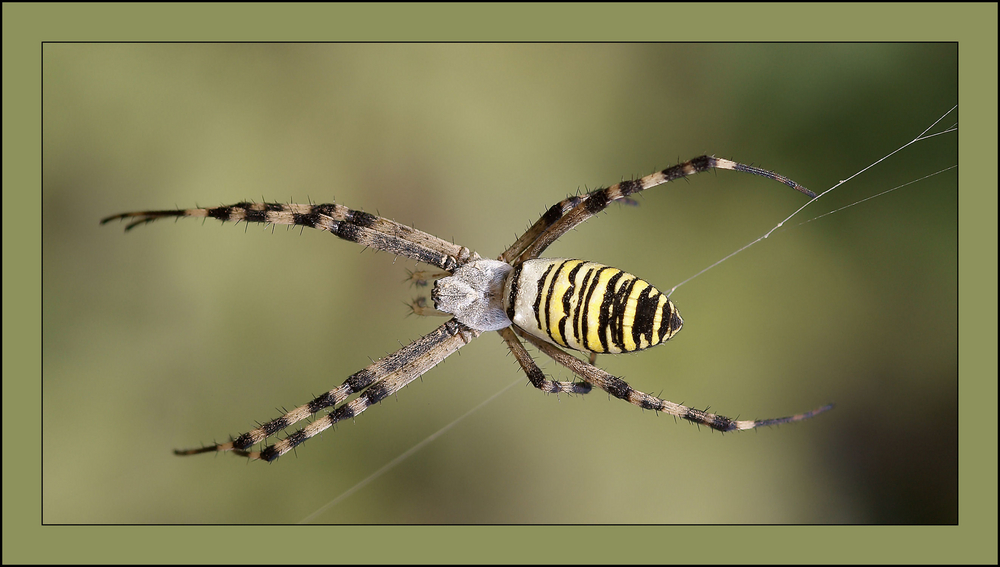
(409, 452)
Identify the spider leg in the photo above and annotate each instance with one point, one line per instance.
(572, 211)
(378, 381)
(620, 389)
(356, 226)
(535, 374)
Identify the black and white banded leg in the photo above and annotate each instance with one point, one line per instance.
(376, 382)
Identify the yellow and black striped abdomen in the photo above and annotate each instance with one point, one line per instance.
(588, 307)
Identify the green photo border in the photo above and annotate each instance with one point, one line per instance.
(26, 26)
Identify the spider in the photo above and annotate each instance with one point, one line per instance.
(549, 302)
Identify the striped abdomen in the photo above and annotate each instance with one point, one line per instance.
(588, 307)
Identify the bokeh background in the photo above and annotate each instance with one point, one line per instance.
(183, 333)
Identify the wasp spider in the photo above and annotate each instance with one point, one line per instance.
(550, 303)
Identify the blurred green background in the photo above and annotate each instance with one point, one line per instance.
(179, 334)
